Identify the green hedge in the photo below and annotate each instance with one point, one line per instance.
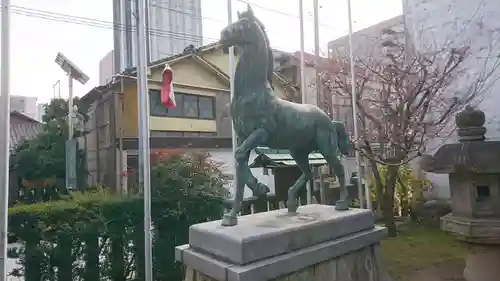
(101, 237)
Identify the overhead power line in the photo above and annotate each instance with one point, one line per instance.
(100, 23)
(92, 22)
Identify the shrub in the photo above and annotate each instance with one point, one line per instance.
(190, 173)
(409, 188)
(40, 163)
(99, 236)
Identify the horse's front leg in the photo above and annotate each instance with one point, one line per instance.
(302, 160)
(243, 174)
(258, 189)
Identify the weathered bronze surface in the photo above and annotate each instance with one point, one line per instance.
(260, 118)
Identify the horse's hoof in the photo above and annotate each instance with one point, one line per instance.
(229, 220)
(261, 190)
(292, 206)
(341, 205)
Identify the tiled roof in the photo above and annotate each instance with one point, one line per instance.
(24, 130)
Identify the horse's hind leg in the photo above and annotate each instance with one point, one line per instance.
(328, 148)
(301, 157)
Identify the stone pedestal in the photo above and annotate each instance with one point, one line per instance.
(316, 244)
(483, 263)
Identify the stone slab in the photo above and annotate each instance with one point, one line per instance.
(263, 235)
(485, 231)
(274, 267)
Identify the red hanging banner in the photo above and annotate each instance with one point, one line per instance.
(167, 96)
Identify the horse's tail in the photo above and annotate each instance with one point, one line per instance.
(342, 137)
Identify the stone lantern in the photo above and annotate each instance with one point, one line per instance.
(473, 166)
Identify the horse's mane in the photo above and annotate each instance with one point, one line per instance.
(270, 66)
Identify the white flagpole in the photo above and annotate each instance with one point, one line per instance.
(234, 138)
(143, 138)
(316, 52)
(317, 74)
(303, 78)
(5, 134)
(355, 118)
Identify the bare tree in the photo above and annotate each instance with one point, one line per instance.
(404, 100)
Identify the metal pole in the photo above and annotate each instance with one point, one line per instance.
(70, 152)
(58, 84)
(143, 118)
(303, 78)
(355, 109)
(234, 138)
(316, 52)
(5, 132)
(317, 73)
(70, 105)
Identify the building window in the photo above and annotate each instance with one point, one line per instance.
(188, 106)
(206, 107)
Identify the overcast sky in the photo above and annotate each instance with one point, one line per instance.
(36, 38)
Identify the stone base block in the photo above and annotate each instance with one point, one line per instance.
(268, 234)
(484, 231)
(482, 263)
(323, 244)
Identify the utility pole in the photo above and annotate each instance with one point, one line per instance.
(143, 120)
(4, 134)
(58, 84)
(73, 72)
(70, 106)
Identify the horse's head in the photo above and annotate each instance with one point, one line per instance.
(245, 31)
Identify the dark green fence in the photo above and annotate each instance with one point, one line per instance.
(103, 239)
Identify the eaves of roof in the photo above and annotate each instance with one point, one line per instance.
(188, 53)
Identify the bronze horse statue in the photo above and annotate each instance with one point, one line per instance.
(260, 118)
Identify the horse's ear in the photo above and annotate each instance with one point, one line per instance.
(239, 15)
(249, 9)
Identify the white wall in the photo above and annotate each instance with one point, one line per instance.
(224, 157)
(40, 111)
(310, 87)
(433, 25)
(24, 105)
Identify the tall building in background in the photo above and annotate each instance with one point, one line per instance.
(24, 105)
(107, 68)
(172, 24)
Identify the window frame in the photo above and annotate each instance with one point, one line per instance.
(180, 104)
(178, 134)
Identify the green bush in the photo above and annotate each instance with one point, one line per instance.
(41, 160)
(98, 236)
(409, 188)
